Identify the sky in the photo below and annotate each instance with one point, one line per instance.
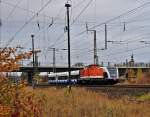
(46, 19)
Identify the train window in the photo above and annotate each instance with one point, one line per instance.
(62, 77)
(51, 78)
(113, 72)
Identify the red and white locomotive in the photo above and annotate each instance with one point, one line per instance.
(94, 74)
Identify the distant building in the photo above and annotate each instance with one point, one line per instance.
(131, 62)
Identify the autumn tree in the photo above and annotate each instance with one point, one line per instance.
(15, 101)
(9, 59)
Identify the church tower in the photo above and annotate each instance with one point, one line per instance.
(131, 62)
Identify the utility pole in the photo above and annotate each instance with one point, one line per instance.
(68, 29)
(32, 36)
(36, 58)
(54, 57)
(95, 47)
(105, 36)
(54, 60)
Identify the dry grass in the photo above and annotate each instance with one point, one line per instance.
(83, 103)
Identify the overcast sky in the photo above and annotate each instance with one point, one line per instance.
(21, 18)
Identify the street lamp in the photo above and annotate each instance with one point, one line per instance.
(33, 72)
(67, 5)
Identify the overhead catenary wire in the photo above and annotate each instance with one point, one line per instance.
(26, 23)
(122, 52)
(76, 18)
(24, 9)
(125, 56)
(82, 11)
(110, 20)
(129, 41)
(117, 53)
(78, 4)
(16, 6)
(48, 25)
(126, 13)
(12, 11)
(132, 39)
(55, 43)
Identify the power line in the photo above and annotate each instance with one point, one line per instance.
(131, 39)
(121, 16)
(50, 24)
(82, 11)
(78, 4)
(78, 15)
(46, 28)
(126, 13)
(139, 54)
(24, 9)
(116, 53)
(74, 21)
(122, 52)
(12, 11)
(26, 23)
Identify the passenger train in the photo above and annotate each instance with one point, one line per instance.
(62, 77)
(92, 74)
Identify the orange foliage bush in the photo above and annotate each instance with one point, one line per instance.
(9, 59)
(15, 101)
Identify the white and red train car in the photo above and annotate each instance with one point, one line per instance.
(92, 74)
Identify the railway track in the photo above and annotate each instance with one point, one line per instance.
(120, 86)
(111, 91)
(95, 86)
(117, 91)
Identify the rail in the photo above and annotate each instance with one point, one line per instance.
(95, 86)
